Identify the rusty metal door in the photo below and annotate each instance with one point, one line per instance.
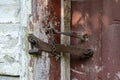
(111, 40)
(99, 19)
(87, 19)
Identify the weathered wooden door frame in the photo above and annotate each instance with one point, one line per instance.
(65, 27)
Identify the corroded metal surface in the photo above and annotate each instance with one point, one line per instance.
(54, 7)
(111, 52)
(86, 19)
(104, 30)
(111, 40)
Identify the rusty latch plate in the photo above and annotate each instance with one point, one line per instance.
(39, 45)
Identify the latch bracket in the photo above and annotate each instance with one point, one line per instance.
(38, 46)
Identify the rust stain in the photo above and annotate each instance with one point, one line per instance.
(54, 8)
(110, 39)
(89, 21)
(110, 48)
(76, 16)
(40, 65)
(100, 19)
(54, 69)
(43, 14)
(34, 10)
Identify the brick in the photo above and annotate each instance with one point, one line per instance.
(4, 2)
(8, 78)
(10, 68)
(10, 46)
(9, 35)
(9, 11)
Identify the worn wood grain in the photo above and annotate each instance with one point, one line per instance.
(65, 27)
(40, 65)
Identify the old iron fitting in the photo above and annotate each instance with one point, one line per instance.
(39, 46)
(83, 37)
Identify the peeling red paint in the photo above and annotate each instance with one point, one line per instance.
(54, 8)
(34, 10)
(100, 19)
(111, 40)
(89, 22)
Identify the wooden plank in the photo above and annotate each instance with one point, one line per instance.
(87, 18)
(65, 27)
(39, 65)
(43, 13)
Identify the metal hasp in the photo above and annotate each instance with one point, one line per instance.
(73, 34)
(37, 46)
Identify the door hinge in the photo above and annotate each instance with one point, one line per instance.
(37, 46)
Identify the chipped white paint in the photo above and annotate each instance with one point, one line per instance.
(95, 49)
(9, 11)
(75, 79)
(4, 2)
(82, 66)
(13, 26)
(30, 74)
(78, 72)
(9, 49)
(8, 78)
(41, 66)
(25, 11)
(65, 59)
(10, 68)
(108, 75)
(98, 68)
(118, 74)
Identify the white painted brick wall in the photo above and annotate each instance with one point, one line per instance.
(9, 11)
(8, 78)
(9, 49)
(13, 20)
